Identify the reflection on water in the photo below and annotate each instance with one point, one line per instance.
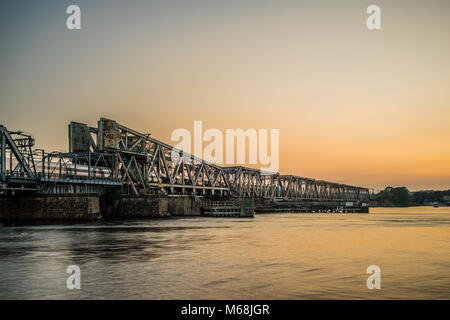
(273, 256)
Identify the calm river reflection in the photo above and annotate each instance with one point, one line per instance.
(273, 256)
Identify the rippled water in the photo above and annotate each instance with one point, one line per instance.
(273, 256)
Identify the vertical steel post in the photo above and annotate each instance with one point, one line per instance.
(89, 164)
(43, 164)
(75, 165)
(10, 160)
(60, 166)
(100, 135)
(48, 166)
(3, 158)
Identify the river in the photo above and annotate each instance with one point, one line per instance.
(272, 256)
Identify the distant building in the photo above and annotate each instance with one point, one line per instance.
(446, 199)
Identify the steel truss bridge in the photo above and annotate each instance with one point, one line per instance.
(114, 157)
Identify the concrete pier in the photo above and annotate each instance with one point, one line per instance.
(149, 206)
(183, 206)
(85, 207)
(50, 207)
(133, 207)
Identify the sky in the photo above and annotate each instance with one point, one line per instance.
(362, 107)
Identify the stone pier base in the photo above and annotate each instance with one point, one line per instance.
(50, 207)
(133, 207)
(183, 206)
(148, 206)
(92, 207)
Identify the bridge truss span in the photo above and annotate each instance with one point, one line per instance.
(112, 155)
(248, 182)
(146, 165)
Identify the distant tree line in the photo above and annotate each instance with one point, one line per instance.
(401, 196)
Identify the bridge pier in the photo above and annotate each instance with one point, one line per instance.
(133, 207)
(148, 206)
(50, 207)
(183, 206)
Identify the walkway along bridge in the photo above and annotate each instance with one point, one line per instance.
(114, 159)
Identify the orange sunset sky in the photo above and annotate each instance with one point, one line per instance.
(370, 108)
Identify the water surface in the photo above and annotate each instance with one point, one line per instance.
(273, 256)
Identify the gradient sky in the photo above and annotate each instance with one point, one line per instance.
(370, 108)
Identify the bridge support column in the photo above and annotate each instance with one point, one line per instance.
(3, 157)
(183, 206)
(133, 207)
(50, 207)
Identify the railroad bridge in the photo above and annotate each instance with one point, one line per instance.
(114, 159)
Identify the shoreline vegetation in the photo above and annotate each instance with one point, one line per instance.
(402, 197)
